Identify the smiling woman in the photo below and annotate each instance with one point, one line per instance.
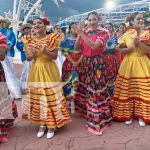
(92, 91)
(44, 103)
(131, 94)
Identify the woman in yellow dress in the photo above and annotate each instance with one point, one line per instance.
(44, 103)
(131, 96)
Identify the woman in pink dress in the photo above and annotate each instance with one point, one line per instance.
(92, 77)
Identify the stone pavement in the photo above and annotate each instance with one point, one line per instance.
(75, 136)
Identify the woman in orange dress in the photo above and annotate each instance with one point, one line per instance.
(45, 103)
(131, 96)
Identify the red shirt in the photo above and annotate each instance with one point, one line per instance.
(99, 34)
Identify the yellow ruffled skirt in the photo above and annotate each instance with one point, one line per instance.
(44, 103)
(131, 96)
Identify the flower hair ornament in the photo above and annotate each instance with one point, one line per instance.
(46, 21)
(128, 18)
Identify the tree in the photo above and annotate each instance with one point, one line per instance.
(147, 18)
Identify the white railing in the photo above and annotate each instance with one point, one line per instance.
(118, 13)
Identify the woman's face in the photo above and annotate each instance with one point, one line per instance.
(58, 29)
(73, 30)
(27, 31)
(138, 21)
(122, 29)
(108, 27)
(2, 24)
(39, 26)
(93, 20)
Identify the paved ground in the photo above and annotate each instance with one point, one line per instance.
(74, 136)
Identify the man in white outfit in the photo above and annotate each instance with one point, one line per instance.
(25, 29)
(11, 78)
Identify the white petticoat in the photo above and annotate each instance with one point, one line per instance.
(12, 81)
(59, 61)
(25, 73)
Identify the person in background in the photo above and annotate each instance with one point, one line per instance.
(92, 77)
(60, 58)
(25, 29)
(8, 109)
(69, 69)
(110, 57)
(121, 29)
(131, 93)
(57, 29)
(44, 103)
(11, 78)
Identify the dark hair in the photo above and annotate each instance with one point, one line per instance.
(72, 23)
(132, 17)
(93, 13)
(122, 24)
(37, 18)
(112, 26)
(56, 26)
(63, 30)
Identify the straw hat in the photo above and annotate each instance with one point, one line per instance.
(27, 25)
(3, 19)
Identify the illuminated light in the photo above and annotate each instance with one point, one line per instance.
(110, 4)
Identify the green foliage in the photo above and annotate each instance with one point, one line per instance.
(147, 18)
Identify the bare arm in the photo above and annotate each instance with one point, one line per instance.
(75, 63)
(92, 45)
(2, 56)
(124, 50)
(77, 45)
(30, 56)
(69, 58)
(79, 61)
(30, 53)
(2, 52)
(144, 47)
(51, 54)
(80, 58)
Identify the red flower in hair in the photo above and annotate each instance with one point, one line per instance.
(46, 21)
(100, 18)
(128, 18)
